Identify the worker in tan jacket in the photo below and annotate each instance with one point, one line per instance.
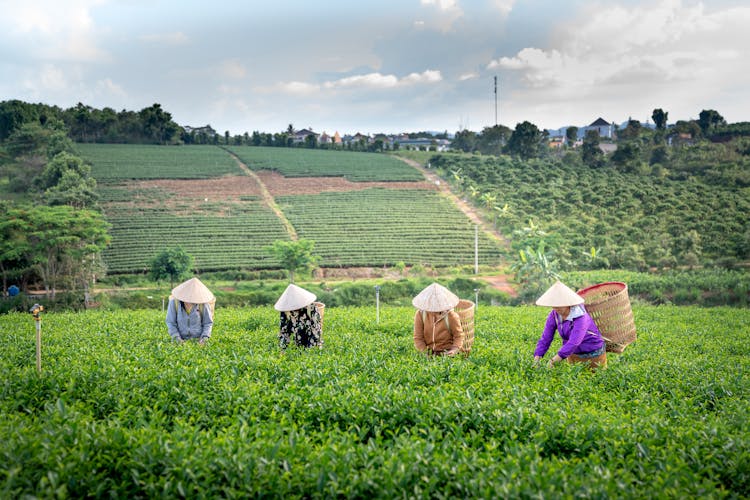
(437, 327)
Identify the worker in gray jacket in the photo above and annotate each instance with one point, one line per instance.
(190, 312)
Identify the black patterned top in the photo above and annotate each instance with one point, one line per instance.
(302, 325)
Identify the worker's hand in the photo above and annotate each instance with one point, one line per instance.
(555, 359)
(451, 352)
(537, 359)
(202, 341)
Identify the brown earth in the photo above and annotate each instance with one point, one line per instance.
(221, 188)
(278, 185)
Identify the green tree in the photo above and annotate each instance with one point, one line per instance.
(66, 180)
(14, 244)
(157, 125)
(525, 141)
(631, 131)
(591, 153)
(709, 119)
(464, 140)
(660, 118)
(172, 263)
(535, 270)
(627, 155)
(571, 134)
(294, 255)
(492, 140)
(60, 239)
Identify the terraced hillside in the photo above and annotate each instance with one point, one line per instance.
(225, 206)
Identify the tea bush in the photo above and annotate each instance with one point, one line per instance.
(121, 411)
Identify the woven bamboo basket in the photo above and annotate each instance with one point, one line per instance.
(321, 307)
(609, 306)
(465, 310)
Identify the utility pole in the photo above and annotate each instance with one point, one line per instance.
(496, 100)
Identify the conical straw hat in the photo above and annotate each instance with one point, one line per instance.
(193, 292)
(294, 298)
(559, 295)
(435, 298)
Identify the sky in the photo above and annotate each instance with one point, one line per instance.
(381, 66)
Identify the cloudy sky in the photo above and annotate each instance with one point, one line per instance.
(381, 65)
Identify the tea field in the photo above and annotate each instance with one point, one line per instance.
(200, 198)
(117, 162)
(354, 166)
(120, 411)
(378, 227)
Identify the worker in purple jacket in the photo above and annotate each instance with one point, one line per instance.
(582, 342)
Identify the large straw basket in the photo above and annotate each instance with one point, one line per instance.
(465, 310)
(321, 307)
(609, 306)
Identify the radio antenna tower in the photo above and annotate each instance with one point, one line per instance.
(496, 100)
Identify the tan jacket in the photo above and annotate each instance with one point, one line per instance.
(433, 332)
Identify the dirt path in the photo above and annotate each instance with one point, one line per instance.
(499, 282)
(467, 209)
(267, 196)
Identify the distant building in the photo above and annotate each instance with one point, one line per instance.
(207, 129)
(301, 135)
(601, 127)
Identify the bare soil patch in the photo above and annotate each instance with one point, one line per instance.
(221, 188)
(501, 283)
(278, 185)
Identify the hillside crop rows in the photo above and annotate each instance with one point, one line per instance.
(121, 411)
(115, 162)
(383, 227)
(300, 162)
(221, 221)
(234, 240)
(635, 221)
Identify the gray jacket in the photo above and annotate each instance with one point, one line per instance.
(183, 326)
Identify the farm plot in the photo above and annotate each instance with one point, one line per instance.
(378, 227)
(234, 239)
(122, 412)
(292, 162)
(115, 162)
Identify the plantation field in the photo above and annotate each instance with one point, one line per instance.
(380, 211)
(378, 227)
(116, 162)
(120, 411)
(296, 162)
(219, 236)
(635, 221)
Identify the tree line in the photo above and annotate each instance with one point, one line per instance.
(54, 233)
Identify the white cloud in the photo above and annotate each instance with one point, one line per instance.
(646, 52)
(441, 4)
(298, 87)
(504, 6)
(468, 76)
(176, 38)
(370, 81)
(447, 13)
(232, 69)
(50, 78)
(107, 88)
(53, 30)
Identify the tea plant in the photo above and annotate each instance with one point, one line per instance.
(120, 411)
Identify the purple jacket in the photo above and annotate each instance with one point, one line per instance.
(579, 333)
